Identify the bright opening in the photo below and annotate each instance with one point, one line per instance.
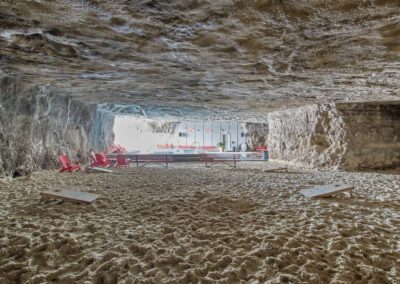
(153, 136)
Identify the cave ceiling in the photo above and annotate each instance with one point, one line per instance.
(212, 56)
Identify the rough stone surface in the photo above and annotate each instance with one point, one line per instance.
(351, 136)
(312, 135)
(253, 56)
(219, 59)
(372, 136)
(256, 134)
(36, 125)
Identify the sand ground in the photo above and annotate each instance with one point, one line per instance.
(190, 224)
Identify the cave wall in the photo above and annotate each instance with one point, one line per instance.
(349, 136)
(373, 135)
(36, 124)
(256, 134)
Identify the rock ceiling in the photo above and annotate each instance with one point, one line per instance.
(206, 55)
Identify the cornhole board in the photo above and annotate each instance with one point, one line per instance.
(70, 196)
(327, 190)
(97, 169)
(276, 169)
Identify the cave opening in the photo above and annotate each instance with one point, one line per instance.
(156, 135)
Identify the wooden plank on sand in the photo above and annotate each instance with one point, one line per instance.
(71, 196)
(276, 169)
(97, 169)
(327, 190)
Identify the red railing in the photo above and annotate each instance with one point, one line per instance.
(260, 150)
(208, 148)
(186, 147)
(165, 146)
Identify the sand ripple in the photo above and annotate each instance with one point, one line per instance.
(189, 225)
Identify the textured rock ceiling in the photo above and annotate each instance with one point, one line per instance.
(250, 56)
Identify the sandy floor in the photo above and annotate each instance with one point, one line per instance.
(197, 225)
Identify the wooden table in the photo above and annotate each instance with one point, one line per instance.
(164, 159)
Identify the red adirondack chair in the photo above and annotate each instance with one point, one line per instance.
(93, 159)
(67, 166)
(102, 161)
(121, 161)
(106, 159)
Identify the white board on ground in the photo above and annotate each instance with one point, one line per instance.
(327, 190)
(71, 196)
(97, 169)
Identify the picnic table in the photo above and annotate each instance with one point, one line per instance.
(210, 158)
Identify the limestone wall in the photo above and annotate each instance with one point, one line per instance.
(351, 136)
(312, 135)
(36, 125)
(373, 135)
(256, 134)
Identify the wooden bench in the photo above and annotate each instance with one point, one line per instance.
(276, 169)
(159, 159)
(213, 159)
(70, 196)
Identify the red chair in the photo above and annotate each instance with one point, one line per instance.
(121, 161)
(106, 159)
(102, 161)
(95, 161)
(66, 165)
